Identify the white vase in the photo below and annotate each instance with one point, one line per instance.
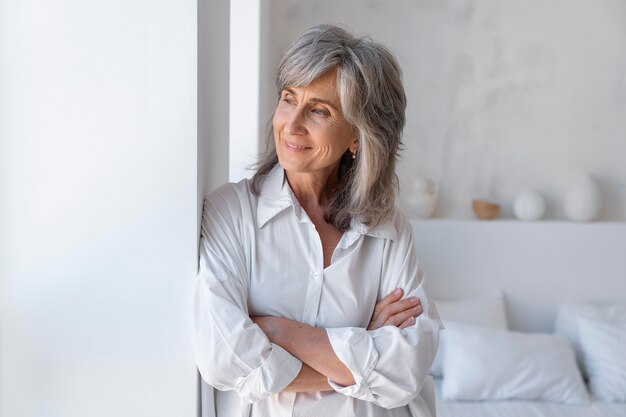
(420, 197)
(529, 206)
(583, 201)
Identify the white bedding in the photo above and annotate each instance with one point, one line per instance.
(524, 408)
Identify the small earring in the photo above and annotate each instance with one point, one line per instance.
(354, 155)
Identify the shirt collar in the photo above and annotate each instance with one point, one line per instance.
(276, 196)
(385, 229)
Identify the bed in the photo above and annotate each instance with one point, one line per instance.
(515, 408)
(540, 268)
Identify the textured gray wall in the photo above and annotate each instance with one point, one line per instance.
(503, 95)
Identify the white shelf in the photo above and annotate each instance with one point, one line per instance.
(519, 222)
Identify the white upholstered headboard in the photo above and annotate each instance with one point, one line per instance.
(538, 265)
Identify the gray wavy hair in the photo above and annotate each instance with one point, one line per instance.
(369, 82)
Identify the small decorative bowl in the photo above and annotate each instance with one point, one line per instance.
(485, 210)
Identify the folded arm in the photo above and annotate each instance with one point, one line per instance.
(312, 346)
(307, 343)
(230, 351)
(309, 380)
(386, 365)
(390, 365)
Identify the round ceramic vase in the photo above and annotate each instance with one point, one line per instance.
(583, 201)
(420, 197)
(529, 206)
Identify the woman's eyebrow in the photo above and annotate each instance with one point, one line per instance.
(314, 99)
(328, 103)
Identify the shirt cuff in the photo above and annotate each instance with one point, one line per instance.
(278, 370)
(355, 348)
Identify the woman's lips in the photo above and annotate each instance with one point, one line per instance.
(295, 148)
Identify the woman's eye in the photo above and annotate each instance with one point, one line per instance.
(287, 99)
(321, 112)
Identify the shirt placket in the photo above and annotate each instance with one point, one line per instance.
(315, 279)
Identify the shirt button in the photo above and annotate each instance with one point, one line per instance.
(315, 275)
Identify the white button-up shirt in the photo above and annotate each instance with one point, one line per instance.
(262, 256)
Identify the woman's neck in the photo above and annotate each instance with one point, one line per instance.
(313, 189)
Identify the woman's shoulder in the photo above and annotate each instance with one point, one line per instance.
(399, 219)
(401, 226)
(231, 191)
(230, 199)
(396, 219)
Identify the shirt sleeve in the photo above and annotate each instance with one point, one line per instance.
(390, 364)
(231, 352)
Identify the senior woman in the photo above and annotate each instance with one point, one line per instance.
(310, 298)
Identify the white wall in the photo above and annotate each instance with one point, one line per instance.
(98, 195)
(503, 95)
(538, 265)
(245, 64)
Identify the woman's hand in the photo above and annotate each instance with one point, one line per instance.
(392, 311)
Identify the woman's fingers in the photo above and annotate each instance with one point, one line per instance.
(392, 297)
(401, 318)
(392, 310)
(387, 313)
(408, 323)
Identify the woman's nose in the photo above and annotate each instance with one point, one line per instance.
(295, 123)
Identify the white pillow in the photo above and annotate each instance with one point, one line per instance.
(482, 363)
(567, 322)
(483, 310)
(604, 351)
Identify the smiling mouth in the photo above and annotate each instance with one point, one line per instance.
(294, 147)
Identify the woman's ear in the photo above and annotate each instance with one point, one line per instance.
(354, 148)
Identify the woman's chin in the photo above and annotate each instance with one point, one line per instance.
(294, 167)
(293, 164)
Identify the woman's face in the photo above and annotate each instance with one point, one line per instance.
(310, 131)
